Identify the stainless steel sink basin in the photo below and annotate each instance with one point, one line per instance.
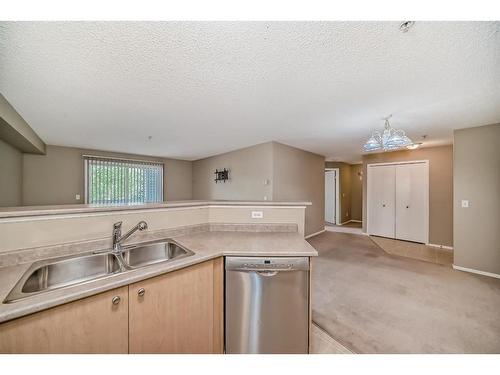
(61, 272)
(51, 274)
(154, 252)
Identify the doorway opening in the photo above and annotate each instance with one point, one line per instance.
(332, 196)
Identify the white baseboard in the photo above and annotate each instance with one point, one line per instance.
(441, 246)
(471, 270)
(350, 221)
(314, 234)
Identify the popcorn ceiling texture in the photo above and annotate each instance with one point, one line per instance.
(202, 88)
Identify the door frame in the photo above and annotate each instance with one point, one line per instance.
(426, 163)
(337, 193)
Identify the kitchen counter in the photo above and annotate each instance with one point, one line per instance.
(206, 245)
(26, 211)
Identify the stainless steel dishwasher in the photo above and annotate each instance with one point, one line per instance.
(267, 305)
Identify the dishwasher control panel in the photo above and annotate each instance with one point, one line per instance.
(267, 263)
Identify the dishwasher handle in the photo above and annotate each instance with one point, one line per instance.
(267, 273)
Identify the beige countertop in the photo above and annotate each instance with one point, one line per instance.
(23, 211)
(206, 245)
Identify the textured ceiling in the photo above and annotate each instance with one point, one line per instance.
(202, 88)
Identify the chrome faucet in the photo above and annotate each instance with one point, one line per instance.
(117, 233)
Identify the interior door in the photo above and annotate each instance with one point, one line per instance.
(330, 181)
(412, 202)
(381, 199)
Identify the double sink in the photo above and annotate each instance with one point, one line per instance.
(56, 273)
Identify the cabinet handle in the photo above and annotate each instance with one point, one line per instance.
(383, 205)
(116, 300)
(407, 206)
(141, 292)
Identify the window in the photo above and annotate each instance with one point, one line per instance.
(110, 181)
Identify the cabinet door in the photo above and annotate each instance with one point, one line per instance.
(89, 325)
(412, 202)
(380, 200)
(180, 312)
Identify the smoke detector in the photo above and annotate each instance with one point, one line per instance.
(405, 26)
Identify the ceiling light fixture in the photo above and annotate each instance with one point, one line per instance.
(405, 26)
(390, 139)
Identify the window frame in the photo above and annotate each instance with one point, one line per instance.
(86, 157)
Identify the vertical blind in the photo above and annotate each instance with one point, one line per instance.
(110, 181)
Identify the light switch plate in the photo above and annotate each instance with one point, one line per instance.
(257, 214)
(77, 197)
(465, 203)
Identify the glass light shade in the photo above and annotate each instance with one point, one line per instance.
(373, 143)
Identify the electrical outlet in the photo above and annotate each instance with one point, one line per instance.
(77, 197)
(257, 215)
(465, 203)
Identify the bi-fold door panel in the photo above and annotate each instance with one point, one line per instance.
(411, 202)
(381, 193)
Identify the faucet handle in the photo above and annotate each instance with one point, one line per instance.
(142, 225)
(117, 225)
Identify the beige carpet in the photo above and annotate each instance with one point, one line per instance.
(415, 250)
(323, 343)
(373, 302)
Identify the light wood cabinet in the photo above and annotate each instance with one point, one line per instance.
(90, 325)
(179, 312)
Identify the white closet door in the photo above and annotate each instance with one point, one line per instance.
(381, 192)
(412, 202)
(330, 197)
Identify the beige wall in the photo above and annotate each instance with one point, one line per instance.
(357, 192)
(440, 187)
(299, 176)
(271, 171)
(477, 179)
(345, 188)
(249, 169)
(55, 178)
(11, 164)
